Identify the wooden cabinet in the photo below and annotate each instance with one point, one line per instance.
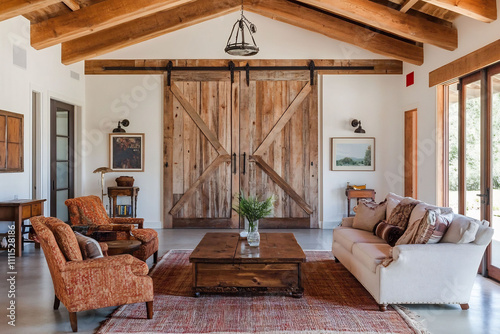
(11, 142)
(258, 136)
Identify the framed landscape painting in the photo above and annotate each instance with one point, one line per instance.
(126, 152)
(353, 154)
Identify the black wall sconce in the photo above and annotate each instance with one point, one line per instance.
(124, 122)
(357, 123)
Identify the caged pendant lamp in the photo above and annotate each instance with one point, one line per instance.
(238, 43)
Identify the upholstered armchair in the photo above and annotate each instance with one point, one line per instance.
(87, 215)
(89, 284)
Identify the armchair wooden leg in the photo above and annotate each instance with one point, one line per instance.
(464, 306)
(149, 308)
(155, 257)
(57, 302)
(382, 307)
(73, 320)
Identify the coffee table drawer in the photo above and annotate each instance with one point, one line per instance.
(275, 275)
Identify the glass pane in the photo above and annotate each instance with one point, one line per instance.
(62, 123)
(62, 174)
(473, 149)
(495, 147)
(61, 208)
(62, 148)
(453, 147)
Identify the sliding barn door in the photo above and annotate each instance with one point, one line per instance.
(200, 171)
(279, 145)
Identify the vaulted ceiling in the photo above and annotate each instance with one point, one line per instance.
(393, 28)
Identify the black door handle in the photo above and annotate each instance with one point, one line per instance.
(244, 162)
(234, 163)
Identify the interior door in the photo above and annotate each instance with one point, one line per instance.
(61, 158)
(200, 165)
(279, 145)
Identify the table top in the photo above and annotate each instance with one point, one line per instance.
(230, 248)
(16, 202)
(123, 244)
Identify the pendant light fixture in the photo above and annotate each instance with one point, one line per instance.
(238, 42)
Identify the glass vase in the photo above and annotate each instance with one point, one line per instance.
(253, 236)
(244, 232)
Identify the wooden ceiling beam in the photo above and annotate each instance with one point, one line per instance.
(95, 18)
(485, 11)
(336, 28)
(12, 8)
(406, 5)
(72, 4)
(391, 20)
(145, 28)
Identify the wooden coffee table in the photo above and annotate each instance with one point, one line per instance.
(224, 262)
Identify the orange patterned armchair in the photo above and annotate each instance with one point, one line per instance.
(89, 284)
(87, 215)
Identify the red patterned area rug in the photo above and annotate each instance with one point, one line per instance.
(334, 302)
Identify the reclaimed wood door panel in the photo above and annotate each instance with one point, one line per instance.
(199, 182)
(279, 143)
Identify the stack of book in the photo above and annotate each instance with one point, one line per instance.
(124, 210)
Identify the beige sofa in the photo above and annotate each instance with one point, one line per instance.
(439, 273)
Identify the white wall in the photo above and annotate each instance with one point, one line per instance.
(472, 35)
(45, 74)
(370, 98)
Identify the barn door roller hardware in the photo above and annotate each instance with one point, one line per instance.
(312, 68)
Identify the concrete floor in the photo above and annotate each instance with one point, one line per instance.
(35, 294)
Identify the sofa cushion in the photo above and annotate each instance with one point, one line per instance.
(371, 254)
(369, 214)
(392, 201)
(347, 237)
(91, 249)
(145, 235)
(420, 231)
(66, 240)
(462, 230)
(443, 221)
(401, 213)
(484, 234)
(388, 232)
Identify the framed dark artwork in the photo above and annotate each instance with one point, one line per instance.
(126, 152)
(353, 154)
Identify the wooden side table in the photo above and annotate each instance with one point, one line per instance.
(114, 192)
(117, 247)
(17, 211)
(357, 194)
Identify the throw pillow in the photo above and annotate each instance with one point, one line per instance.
(401, 213)
(368, 215)
(441, 225)
(462, 230)
(66, 240)
(90, 248)
(392, 201)
(419, 232)
(388, 232)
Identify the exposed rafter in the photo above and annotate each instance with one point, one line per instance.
(145, 28)
(95, 18)
(485, 10)
(11, 8)
(406, 5)
(391, 20)
(72, 4)
(336, 28)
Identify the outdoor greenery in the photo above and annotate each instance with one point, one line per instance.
(253, 209)
(348, 161)
(473, 144)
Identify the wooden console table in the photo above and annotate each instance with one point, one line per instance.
(17, 211)
(357, 194)
(114, 192)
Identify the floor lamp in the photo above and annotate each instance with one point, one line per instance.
(102, 170)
